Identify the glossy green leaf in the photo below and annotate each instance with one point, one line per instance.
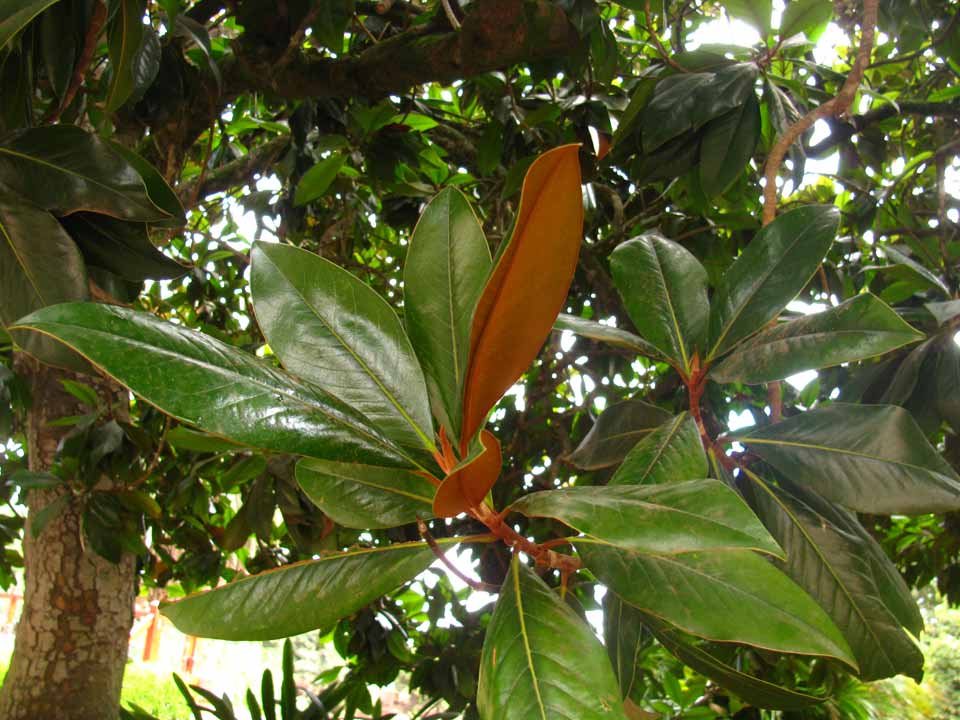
(526, 671)
(219, 388)
(119, 246)
(626, 640)
(754, 12)
(782, 113)
(364, 496)
(336, 332)
(720, 595)
(197, 33)
(64, 169)
(900, 257)
(671, 453)
(727, 146)
(318, 179)
(750, 689)
(834, 566)
(948, 384)
(860, 328)
(17, 14)
(664, 288)
(869, 458)
(27, 279)
(616, 431)
(664, 519)
(448, 261)
(124, 39)
(304, 596)
(607, 334)
(687, 101)
(773, 268)
(159, 192)
(805, 16)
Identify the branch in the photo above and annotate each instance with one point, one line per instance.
(835, 106)
(494, 35)
(948, 108)
(233, 173)
(97, 20)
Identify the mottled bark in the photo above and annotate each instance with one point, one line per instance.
(71, 641)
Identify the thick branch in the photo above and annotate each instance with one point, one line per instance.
(835, 106)
(494, 35)
(234, 173)
(948, 108)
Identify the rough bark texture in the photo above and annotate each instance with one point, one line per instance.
(71, 641)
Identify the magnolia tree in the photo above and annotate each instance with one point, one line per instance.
(559, 201)
(389, 418)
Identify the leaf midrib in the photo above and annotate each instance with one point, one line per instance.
(526, 639)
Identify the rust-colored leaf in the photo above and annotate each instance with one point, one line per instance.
(528, 285)
(469, 485)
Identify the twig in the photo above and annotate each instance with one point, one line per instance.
(656, 41)
(835, 106)
(97, 20)
(293, 47)
(441, 556)
(451, 15)
(155, 460)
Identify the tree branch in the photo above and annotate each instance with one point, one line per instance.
(835, 106)
(948, 108)
(233, 173)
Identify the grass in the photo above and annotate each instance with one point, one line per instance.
(154, 692)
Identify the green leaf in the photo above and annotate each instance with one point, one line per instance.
(728, 145)
(17, 14)
(194, 31)
(664, 288)
(616, 431)
(805, 16)
(754, 12)
(687, 101)
(184, 438)
(900, 257)
(121, 247)
(671, 453)
(526, 670)
(84, 393)
(363, 496)
(448, 261)
(336, 332)
(29, 480)
(124, 39)
(664, 519)
(869, 458)
(64, 169)
(626, 640)
(318, 179)
(218, 388)
(39, 519)
(720, 595)
(59, 39)
(753, 690)
(27, 282)
(304, 596)
(834, 566)
(607, 334)
(860, 328)
(159, 192)
(773, 268)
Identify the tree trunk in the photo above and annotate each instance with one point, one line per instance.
(71, 641)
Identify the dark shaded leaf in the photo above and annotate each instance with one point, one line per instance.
(616, 431)
(671, 453)
(727, 146)
(607, 334)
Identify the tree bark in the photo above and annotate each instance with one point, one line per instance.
(71, 642)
